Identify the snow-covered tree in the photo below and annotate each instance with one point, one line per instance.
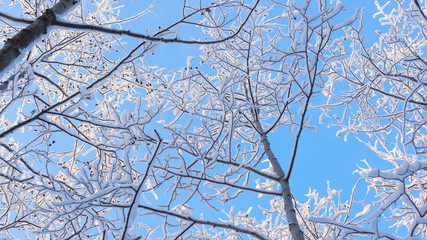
(381, 93)
(96, 142)
(77, 148)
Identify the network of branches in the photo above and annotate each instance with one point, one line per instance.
(96, 142)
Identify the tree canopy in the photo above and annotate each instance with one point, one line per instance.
(97, 142)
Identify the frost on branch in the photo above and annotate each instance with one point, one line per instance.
(381, 90)
(397, 211)
(79, 156)
(219, 115)
(384, 82)
(97, 143)
(75, 144)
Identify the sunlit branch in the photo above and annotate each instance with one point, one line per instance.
(205, 222)
(8, 53)
(135, 201)
(12, 48)
(224, 182)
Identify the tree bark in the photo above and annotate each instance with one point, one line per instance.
(291, 215)
(12, 48)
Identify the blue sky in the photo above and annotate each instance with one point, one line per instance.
(322, 156)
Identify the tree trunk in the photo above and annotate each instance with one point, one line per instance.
(291, 215)
(12, 48)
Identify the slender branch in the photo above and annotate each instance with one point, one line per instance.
(138, 191)
(58, 104)
(206, 222)
(51, 82)
(420, 10)
(298, 135)
(151, 38)
(184, 230)
(260, 191)
(266, 175)
(28, 35)
(20, 20)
